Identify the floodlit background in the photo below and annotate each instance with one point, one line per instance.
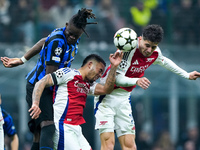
(166, 114)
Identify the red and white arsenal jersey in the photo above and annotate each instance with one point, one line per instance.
(134, 64)
(70, 97)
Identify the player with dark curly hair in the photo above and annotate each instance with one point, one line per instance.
(113, 111)
(56, 51)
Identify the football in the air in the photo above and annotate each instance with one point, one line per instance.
(125, 39)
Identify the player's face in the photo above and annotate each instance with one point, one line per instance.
(72, 33)
(95, 72)
(146, 47)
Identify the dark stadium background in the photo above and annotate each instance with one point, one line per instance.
(164, 113)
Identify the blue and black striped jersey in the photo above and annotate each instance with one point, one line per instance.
(55, 52)
(8, 126)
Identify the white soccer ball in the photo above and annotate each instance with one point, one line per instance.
(125, 39)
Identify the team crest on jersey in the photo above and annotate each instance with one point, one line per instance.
(73, 53)
(150, 59)
(123, 64)
(59, 73)
(58, 51)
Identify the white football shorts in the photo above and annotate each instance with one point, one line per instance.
(114, 113)
(70, 137)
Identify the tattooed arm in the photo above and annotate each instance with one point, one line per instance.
(109, 85)
(115, 60)
(46, 81)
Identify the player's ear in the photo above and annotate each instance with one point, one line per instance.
(90, 64)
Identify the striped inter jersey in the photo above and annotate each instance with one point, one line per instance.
(55, 52)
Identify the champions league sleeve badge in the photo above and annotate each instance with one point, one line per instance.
(59, 73)
(123, 64)
(58, 51)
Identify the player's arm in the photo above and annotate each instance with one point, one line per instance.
(14, 142)
(46, 81)
(124, 81)
(13, 62)
(51, 68)
(115, 60)
(170, 65)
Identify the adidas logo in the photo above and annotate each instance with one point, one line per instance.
(135, 63)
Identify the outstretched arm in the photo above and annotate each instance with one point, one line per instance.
(115, 60)
(170, 65)
(13, 62)
(46, 81)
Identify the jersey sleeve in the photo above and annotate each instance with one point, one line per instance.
(9, 127)
(61, 76)
(170, 65)
(55, 52)
(126, 62)
(124, 81)
(92, 88)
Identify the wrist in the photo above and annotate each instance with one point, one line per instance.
(23, 59)
(36, 103)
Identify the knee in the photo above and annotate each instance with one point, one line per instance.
(107, 142)
(50, 129)
(130, 144)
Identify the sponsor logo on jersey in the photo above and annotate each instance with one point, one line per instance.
(138, 70)
(136, 62)
(103, 123)
(81, 87)
(149, 59)
(58, 51)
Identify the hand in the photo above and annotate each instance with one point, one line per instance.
(194, 75)
(34, 111)
(11, 62)
(143, 83)
(116, 58)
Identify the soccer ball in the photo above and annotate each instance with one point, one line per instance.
(125, 39)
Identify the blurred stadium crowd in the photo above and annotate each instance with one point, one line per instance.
(27, 21)
(30, 20)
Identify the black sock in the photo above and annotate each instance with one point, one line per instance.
(35, 146)
(46, 137)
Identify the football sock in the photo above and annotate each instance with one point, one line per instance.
(46, 137)
(35, 146)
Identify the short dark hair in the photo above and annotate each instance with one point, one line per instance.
(93, 57)
(80, 19)
(153, 33)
